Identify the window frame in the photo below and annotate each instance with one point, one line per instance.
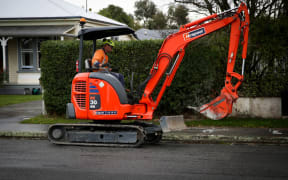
(35, 66)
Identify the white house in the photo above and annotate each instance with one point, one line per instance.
(25, 24)
(153, 34)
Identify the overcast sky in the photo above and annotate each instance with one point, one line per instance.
(127, 5)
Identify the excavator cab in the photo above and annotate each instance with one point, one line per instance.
(94, 33)
(100, 90)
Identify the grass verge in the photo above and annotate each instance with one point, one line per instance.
(51, 120)
(16, 99)
(241, 122)
(227, 122)
(57, 119)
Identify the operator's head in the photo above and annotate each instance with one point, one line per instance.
(108, 45)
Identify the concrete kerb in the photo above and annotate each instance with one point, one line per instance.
(192, 138)
(178, 137)
(32, 135)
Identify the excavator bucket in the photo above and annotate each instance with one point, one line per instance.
(218, 108)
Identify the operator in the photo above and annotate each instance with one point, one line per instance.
(100, 59)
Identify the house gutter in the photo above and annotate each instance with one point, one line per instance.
(63, 17)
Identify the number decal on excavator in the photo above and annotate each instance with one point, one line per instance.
(94, 102)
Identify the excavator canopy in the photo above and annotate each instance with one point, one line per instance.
(102, 32)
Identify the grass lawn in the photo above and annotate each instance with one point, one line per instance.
(51, 120)
(58, 119)
(16, 99)
(241, 122)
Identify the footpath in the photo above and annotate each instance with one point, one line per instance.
(12, 115)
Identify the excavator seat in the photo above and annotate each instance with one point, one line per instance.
(88, 66)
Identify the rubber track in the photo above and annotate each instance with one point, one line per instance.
(65, 127)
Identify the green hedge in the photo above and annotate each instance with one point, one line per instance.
(57, 71)
(198, 80)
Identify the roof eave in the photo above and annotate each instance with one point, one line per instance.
(63, 17)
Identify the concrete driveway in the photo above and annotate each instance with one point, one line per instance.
(12, 115)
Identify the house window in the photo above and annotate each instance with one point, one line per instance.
(29, 54)
(26, 46)
(115, 38)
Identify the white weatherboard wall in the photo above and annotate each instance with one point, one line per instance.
(264, 107)
(28, 78)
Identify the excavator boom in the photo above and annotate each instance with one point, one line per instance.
(175, 44)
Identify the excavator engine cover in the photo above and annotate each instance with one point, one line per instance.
(98, 95)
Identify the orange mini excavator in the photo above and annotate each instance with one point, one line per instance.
(100, 97)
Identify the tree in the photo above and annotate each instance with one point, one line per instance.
(256, 8)
(158, 21)
(145, 10)
(177, 15)
(117, 13)
(267, 49)
(136, 24)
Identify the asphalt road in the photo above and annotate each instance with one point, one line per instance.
(38, 159)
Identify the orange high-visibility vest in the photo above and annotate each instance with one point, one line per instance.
(99, 58)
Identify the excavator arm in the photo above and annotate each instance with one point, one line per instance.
(174, 46)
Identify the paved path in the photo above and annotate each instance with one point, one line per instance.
(12, 115)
